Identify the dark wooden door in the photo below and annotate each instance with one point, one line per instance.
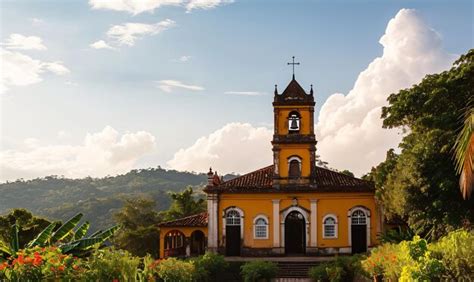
(197, 243)
(232, 240)
(359, 238)
(295, 235)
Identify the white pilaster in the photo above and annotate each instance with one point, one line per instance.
(314, 223)
(276, 223)
(212, 222)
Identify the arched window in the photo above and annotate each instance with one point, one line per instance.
(329, 226)
(294, 119)
(261, 228)
(174, 244)
(233, 217)
(294, 167)
(358, 218)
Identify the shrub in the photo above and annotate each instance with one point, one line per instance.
(174, 270)
(109, 264)
(36, 264)
(259, 270)
(208, 265)
(343, 268)
(456, 251)
(407, 261)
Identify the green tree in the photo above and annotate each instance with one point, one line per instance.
(424, 176)
(184, 204)
(29, 225)
(347, 172)
(139, 221)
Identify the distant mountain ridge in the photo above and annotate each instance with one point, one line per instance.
(58, 198)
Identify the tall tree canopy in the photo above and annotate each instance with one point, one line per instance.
(421, 184)
(29, 225)
(184, 204)
(139, 231)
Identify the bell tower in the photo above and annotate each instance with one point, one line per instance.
(294, 142)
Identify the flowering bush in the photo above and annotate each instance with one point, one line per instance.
(406, 261)
(41, 264)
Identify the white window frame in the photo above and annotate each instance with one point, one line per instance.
(265, 218)
(336, 226)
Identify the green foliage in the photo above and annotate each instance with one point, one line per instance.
(258, 270)
(139, 222)
(396, 235)
(343, 268)
(109, 264)
(421, 184)
(60, 198)
(451, 258)
(184, 204)
(208, 266)
(347, 172)
(28, 226)
(174, 270)
(49, 238)
(456, 252)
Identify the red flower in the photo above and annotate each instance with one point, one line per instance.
(37, 260)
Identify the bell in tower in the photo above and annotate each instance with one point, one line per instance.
(294, 122)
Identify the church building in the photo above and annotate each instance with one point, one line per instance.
(291, 207)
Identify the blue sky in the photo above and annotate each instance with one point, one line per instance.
(241, 46)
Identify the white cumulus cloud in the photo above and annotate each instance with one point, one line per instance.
(128, 33)
(22, 42)
(139, 6)
(169, 85)
(101, 153)
(101, 44)
(349, 126)
(236, 147)
(18, 69)
(349, 130)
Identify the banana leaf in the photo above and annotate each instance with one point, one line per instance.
(15, 243)
(5, 248)
(81, 231)
(67, 227)
(82, 244)
(68, 247)
(96, 233)
(107, 233)
(43, 236)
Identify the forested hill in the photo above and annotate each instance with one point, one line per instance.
(98, 198)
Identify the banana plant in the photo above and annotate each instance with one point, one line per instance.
(69, 237)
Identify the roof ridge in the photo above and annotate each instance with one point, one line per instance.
(243, 175)
(340, 173)
(186, 217)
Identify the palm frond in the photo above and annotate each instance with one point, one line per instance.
(464, 154)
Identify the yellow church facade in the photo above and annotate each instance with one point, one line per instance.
(292, 207)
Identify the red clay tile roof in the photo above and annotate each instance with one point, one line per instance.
(196, 220)
(325, 180)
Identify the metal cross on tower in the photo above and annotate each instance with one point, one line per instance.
(293, 64)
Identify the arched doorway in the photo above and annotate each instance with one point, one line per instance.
(358, 231)
(174, 244)
(197, 243)
(295, 235)
(232, 233)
